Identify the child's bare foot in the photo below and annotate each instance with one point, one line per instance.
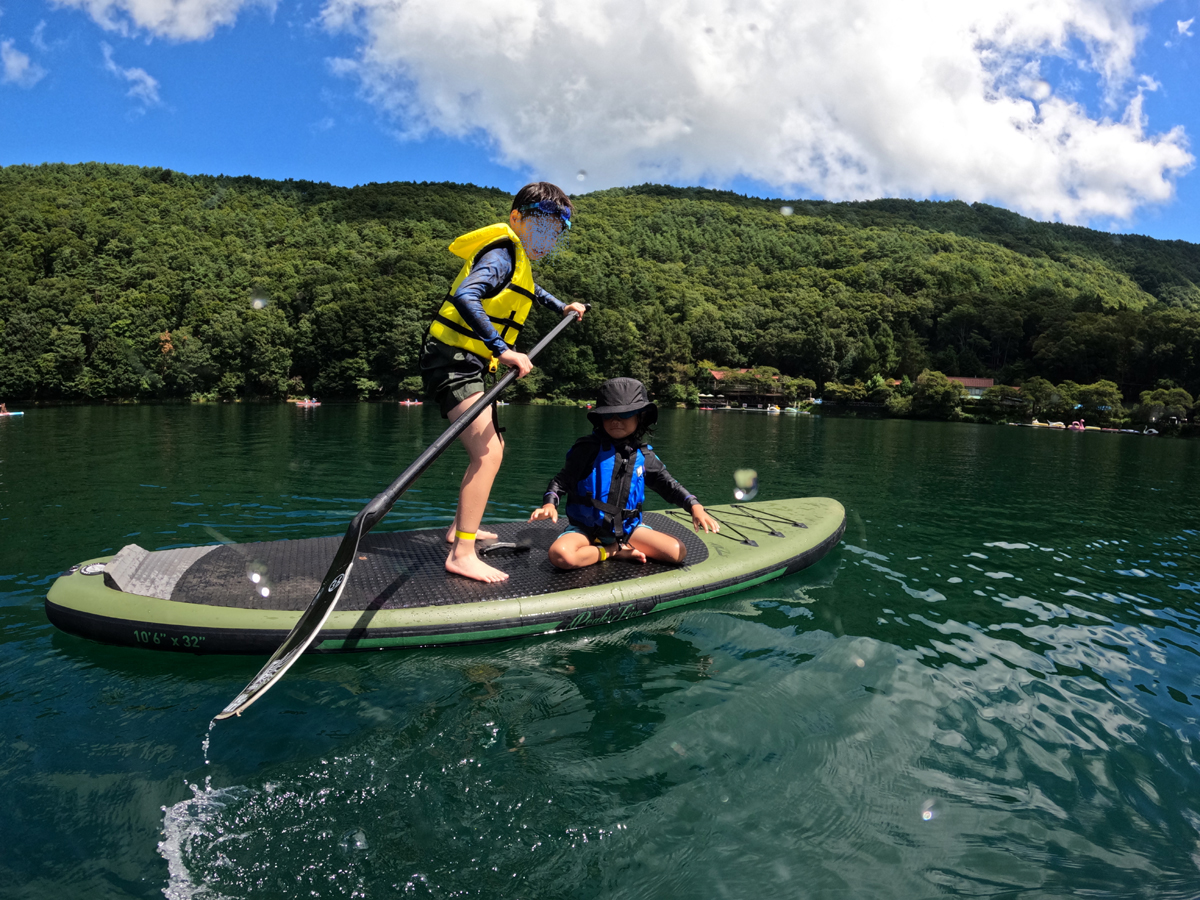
(480, 535)
(630, 553)
(468, 565)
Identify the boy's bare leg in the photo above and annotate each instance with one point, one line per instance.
(480, 535)
(573, 551)
(655, 545)
(485, 450)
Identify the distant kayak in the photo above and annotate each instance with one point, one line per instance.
(11, 414)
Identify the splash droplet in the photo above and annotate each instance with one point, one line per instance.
(354, 839)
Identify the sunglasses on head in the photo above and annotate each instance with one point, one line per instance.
(625, 415)
(547, 208)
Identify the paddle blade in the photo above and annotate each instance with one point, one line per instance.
(297, 641)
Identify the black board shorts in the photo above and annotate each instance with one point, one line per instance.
(450, 374)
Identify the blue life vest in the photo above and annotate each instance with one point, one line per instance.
(608, 500)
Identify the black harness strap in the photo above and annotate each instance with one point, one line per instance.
(618, 496)
(454, 326)
(505, 325)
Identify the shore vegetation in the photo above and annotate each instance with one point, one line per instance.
(122, 283)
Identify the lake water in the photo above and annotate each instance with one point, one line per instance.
(989, 689)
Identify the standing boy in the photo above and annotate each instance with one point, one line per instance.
(475, 330)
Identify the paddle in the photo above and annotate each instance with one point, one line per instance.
(313, 618)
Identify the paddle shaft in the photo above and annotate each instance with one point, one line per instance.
(309, 625)
(373, 512)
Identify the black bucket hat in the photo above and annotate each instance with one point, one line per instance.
(623, 395)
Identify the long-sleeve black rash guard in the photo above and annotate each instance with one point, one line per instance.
(582, 456)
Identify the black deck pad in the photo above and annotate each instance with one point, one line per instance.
(403, 569)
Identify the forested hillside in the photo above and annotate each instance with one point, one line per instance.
(124, 282)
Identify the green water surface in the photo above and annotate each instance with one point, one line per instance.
(990, 689)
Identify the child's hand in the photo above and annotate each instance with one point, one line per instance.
(518, 361)
(701, 519)
(548, 511)
(578, 308)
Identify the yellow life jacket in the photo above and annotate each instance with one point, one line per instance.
(508, 308)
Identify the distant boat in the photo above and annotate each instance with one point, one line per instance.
(12, 413)
(411, 402)
(307, 404)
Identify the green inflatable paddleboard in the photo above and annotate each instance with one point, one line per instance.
(246, 598)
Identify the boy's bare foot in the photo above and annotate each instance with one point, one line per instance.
(468, 565)
(480, 535)
(630, 553)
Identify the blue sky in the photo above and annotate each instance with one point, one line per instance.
(1076, 110)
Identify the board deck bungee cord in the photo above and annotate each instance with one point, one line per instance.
(246, 598)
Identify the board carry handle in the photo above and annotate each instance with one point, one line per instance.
(334, 583)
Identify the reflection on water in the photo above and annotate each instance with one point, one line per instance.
(989, 689)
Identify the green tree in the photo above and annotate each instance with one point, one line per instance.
(1100, 403)
(836, 392)
(1040, 393)
(1163, 404)
(937, 396)
(1001, 402)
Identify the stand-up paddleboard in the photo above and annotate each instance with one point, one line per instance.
(246, 598)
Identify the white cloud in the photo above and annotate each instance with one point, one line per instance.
(142, 85)
(39, 37)
(1185, 28)
(848, 99)
(18, 68)
(183, 20)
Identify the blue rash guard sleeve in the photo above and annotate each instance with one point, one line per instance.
(488, 276)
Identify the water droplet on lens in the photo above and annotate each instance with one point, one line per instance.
(928, 811)
(786, 210)
(581, 175)
(746, 484)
